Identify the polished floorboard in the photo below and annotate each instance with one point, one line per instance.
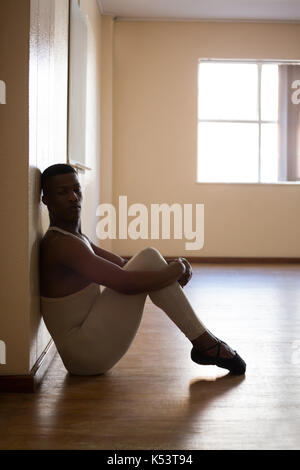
(157, 398)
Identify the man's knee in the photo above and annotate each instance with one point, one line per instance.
(152, 254)
(147, 258)
(151, 251)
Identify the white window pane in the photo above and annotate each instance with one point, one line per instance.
(269, 153)
(228, 91)
(227, 152)
(269, 92)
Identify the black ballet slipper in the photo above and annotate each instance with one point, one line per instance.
(236, 365)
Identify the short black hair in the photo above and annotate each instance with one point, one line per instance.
(53, 170)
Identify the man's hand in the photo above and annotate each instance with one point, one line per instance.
(186, 277)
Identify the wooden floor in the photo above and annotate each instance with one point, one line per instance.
(157, 398)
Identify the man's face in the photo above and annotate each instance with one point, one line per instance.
(63, 197)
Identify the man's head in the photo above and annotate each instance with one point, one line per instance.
(61, 192)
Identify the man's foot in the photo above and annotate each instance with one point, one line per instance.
(209, 350)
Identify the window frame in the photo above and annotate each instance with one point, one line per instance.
(259, 121)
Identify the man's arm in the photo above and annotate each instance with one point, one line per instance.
(104, 253)
(121, 262)
(75, 255)
(112, 257)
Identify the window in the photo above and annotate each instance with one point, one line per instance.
(248, 123)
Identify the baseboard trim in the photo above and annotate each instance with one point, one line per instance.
(224, 259)
(29, 383)
(249, 260)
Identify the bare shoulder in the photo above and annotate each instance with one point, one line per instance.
(51, 238)
(48, 246)
(56, 246)
(53, 242)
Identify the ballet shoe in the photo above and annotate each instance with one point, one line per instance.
(236, 365)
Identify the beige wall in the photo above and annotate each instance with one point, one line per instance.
(14, 124)
(155, 135)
